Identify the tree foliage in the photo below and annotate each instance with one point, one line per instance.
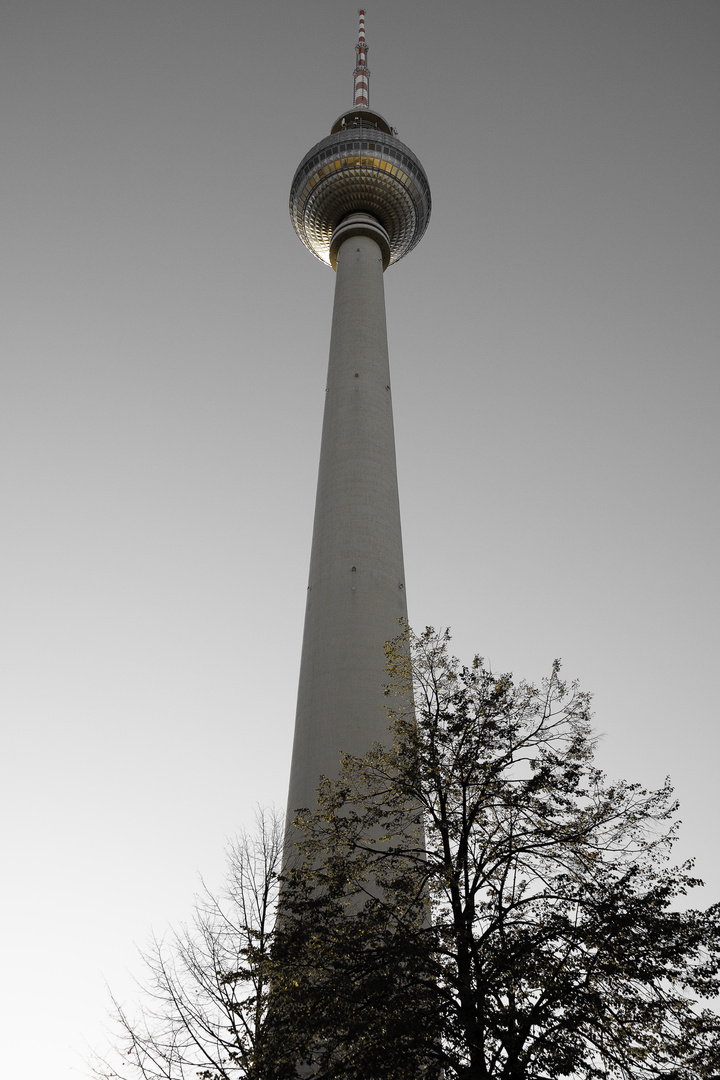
(205, 995)
(479, 898)
(473, 900)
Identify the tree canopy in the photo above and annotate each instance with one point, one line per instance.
(479, 898)
(203, 1006)
(473, 900)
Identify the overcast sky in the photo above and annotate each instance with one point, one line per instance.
(554, 343)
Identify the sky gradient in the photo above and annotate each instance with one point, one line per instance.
(554, 343)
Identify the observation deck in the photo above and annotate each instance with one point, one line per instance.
(361, 166)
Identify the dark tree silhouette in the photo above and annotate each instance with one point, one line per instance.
(474, 899)
(533, 933)
(205, 992)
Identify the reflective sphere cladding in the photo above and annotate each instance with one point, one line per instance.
(360, 169)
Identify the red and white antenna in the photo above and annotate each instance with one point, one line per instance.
(361, 93)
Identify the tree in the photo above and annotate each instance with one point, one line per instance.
(205, 1012)
(533, 934)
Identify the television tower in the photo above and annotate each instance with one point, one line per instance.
(359, 201)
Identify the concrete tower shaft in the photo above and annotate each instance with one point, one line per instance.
(356, 589)
(359, 201)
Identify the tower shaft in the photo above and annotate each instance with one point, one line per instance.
(359, 201)
(356, 592)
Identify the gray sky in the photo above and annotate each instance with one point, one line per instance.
(554, 343)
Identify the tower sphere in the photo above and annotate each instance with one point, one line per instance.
(361, 167)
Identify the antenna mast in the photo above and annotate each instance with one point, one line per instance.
(361, 88)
